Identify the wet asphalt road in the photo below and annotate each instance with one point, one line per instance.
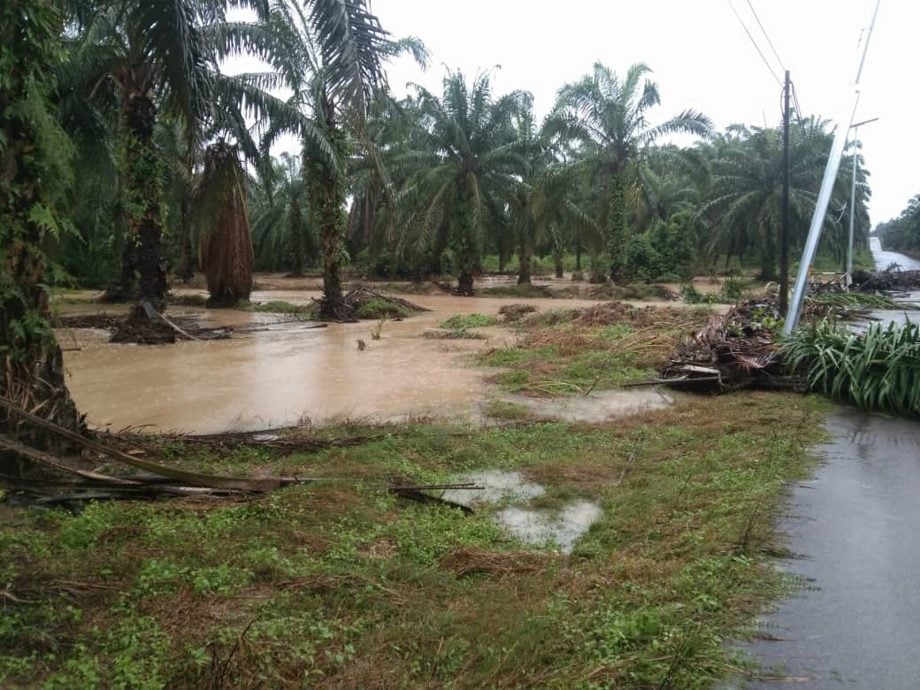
(855, 532)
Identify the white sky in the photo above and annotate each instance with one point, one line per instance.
(701, 57)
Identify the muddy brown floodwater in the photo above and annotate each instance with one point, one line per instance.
(287, 374)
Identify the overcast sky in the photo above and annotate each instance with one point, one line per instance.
(701, 59)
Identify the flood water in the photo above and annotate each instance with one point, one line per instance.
(883, 259)
(560, 528)
(287, 374)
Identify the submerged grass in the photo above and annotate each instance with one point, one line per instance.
(572, 351)
(466, 321)
(338, 584)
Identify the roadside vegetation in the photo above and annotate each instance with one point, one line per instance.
(338, 584)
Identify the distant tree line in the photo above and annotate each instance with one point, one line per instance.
(902, 234)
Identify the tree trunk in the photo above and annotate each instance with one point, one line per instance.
(226, 247)
(557, 258)
(578, 253)
(145, 221)
(31, 364)
(617, 227)
(295, 236)
(525, 257)
(464, 243)
(326, 195)
(186, 255)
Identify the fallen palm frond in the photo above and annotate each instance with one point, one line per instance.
(852, 301)
(734, 351)
(877, 369)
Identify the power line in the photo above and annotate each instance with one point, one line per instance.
(754, 43)
(766, 35)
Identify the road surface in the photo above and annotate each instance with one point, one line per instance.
(855, 531)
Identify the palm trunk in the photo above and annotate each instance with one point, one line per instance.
(295, 236)
(464, 245)
(31, 364)
(326, 194)
(617, 227)
(226, 251)
(557, 258)
(525, 256)
(145, 221)
(578, 253)
(186, 255)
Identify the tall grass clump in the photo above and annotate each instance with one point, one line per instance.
(878, 369)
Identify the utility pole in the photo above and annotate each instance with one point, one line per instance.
(824, 194)
(784, 233)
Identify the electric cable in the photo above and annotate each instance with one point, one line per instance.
(754, 43)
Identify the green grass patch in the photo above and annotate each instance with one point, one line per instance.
(340, 584)
(382, 308)
(464, 321)
(570, 351)
(507, 410)
(280, 307)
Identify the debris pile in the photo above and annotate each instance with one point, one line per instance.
(886, 281)
(735, 351)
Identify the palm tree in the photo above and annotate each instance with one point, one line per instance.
(608, 118)
(281, 225)
(744, 207)
(543, 208)
(331, 54)
(154, 56)
(34, 170)
(468, 164)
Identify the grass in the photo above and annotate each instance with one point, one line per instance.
(280, 307)
(506, 410)
(570, 351)
(467, 321)
(339, 584)
(876, 369)
(382, 309)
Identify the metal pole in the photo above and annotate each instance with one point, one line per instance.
(849, 276)
(824, 196)
(784, 233)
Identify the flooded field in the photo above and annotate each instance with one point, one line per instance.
(286, 374)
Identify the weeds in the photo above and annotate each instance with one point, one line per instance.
(340, 584)
(466, 321)
(877, 369)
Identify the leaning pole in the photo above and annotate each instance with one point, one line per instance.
(827, 186)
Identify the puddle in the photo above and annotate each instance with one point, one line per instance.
(538, 527)
(497, 486)
(597, 407)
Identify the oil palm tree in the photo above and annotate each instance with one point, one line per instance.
(34, 170)
(331, 53)
(468, 163)
(744, 208)
(154, 56)
(543, 207)
(607, 116)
